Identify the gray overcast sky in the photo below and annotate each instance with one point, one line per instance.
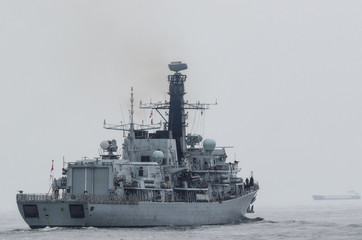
(287, 76)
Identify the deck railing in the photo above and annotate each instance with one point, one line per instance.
(133, 197)
(91, 198)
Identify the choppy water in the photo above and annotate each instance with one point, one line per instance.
(315, 220)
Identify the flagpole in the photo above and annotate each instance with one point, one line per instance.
(51, 177)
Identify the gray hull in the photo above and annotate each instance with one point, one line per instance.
(142, 214)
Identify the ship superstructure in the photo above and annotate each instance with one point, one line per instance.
(162, 176)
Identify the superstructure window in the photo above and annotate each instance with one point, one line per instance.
(140, 172)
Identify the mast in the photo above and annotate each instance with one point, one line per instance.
(131, 130)
(176, 117)
(176, 107)
(131, 127)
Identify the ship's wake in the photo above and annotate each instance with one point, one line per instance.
(249, 220)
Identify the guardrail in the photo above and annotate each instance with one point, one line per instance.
(250, 189)
(90, 198)
(131, 198)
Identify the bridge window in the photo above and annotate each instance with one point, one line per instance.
(145, 159)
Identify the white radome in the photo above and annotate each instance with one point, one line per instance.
(209, 144)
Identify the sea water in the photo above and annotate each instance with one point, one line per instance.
(312, 220)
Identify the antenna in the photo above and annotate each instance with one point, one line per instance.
(132, 100)
(177, 66)
(131, 130)
(120, 105)
(130, 127)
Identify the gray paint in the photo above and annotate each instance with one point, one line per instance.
(143, 214)
(133, 190)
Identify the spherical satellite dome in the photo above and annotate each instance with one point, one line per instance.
(157, 156)
(104, 144)
(209, 144)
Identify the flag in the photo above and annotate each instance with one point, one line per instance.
(51, 173)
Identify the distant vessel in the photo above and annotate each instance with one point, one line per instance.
(163, 177)
(351, 195)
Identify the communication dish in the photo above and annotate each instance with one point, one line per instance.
(177, 66)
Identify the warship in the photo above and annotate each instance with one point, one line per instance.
(161, 176)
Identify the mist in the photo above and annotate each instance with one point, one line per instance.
(286, 76)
